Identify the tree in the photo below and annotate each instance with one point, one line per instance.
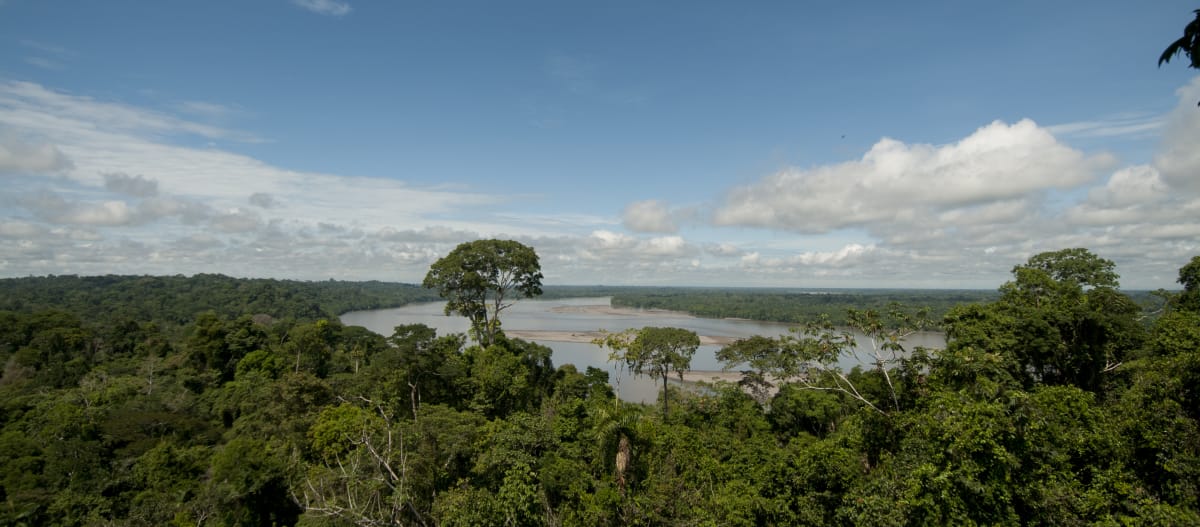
(1189, 276)
(1188, 44)
(476, 280)
(813, 358)
(1061, 320)
(655, 351)
(1077, 266)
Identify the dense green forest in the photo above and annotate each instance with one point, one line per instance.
(177, 299)
(219, 401)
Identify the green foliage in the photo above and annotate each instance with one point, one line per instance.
(175, 300)
(1189, 277)
(655, 351)
(1052, 405)
(1188, 44)
(477, 277)
(509, 375)
(1060, 321)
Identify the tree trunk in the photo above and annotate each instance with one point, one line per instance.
(623, 458)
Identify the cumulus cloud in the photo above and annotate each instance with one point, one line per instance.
(649, 216)
(262, 199)
(852, 254)
(54, 209)
(107, 213)
(1179, 158)
(325, 7)
(20, 229)
(187, 211)
(724, 250)
(603, 244)
(136, 186)
(998, 161)
(903, 214)
(21, 157)
(237, 221)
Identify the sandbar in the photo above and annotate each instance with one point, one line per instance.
(602, 309)
(589, 336)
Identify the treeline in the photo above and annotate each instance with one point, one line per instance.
(1052, 404)
(809, 305)
(177, 299)
(795, 306)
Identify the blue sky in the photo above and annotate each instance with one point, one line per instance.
(867, 144)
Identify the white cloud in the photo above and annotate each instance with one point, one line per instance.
(608, 245)
(849, 255)
(136, 186)
(648, 216)
(250, 218)
(325, 7)
(1179, 158)
(31, 106)
(43, 53)
(56, 210)
(1125, 125)
(20, 229)
(724, 250)
(262, 199)
(99, 187)
(20, 156)
(100, 214)
(237, 221)
(44, 63)
(996, 162)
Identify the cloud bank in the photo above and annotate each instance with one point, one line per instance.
(96, 187)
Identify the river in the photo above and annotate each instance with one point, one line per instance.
(554, 323)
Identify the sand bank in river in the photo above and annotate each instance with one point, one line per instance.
(588, 336)
(692, 376)
(603, 309)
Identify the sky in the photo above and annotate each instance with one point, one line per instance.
(693, 143)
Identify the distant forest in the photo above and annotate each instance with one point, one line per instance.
(209, 400)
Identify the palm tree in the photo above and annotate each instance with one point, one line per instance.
(1189, 44)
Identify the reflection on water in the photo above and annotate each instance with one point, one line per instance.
(570, 315)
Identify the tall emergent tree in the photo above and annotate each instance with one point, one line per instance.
(1061, 320)
(478, 280)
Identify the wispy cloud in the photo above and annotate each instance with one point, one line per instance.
(49, 49)
(325, 7)
(47, 56)
(32, 106)
(44, 63)
(112, 169)
(1138, 125)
